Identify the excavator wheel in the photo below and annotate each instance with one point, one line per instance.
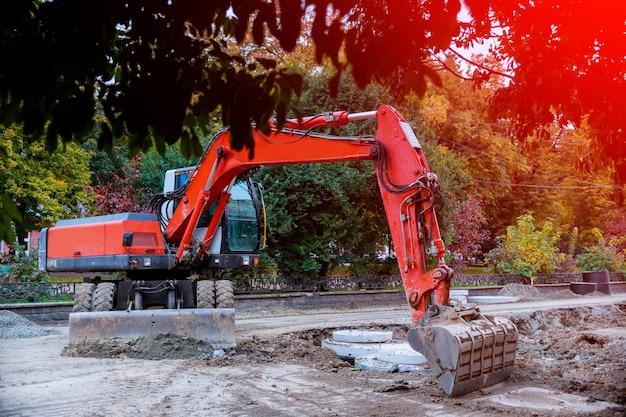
(103, 296)
(205, 291)
(224, 294)
(466, 350)
(83, 297)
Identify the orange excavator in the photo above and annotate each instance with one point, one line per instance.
(211, 222)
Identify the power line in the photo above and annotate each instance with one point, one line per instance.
(460, 145)
(561, 187)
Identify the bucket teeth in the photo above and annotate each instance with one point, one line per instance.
(466, 351)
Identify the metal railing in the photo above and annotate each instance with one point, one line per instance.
(36, 292)
(275, 283)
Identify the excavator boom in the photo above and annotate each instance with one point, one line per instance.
(407, 187)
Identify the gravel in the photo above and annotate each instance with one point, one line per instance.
(14, 326)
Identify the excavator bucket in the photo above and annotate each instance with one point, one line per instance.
(213, 325)
(466, 350)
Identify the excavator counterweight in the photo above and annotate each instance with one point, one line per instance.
(210, 219)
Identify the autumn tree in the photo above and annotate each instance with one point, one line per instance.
(546, 181)
(122, 192)
(481, 158)
(549, 177)
(44, 186)
(470, 232)
(115, 179)
(614, 226)
(526, 249)
(566, 63)
(602, 255)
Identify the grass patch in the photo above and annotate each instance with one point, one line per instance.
(475, 270)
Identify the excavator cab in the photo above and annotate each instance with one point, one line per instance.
(238, 236)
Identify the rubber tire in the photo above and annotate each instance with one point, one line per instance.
(224, 294)
(205, 293)
(83, 297)
(103, 297)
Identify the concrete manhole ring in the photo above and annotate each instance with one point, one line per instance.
(362, 336)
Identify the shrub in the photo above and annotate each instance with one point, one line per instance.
(525, 250)
(22, 267)
(602, 256)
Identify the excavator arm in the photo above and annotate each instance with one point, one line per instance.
(407, 187)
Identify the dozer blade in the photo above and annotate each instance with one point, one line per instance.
(213, 325)
(466, 351)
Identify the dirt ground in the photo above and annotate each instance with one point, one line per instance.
(570, 361)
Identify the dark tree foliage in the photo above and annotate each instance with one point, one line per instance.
(159, 67)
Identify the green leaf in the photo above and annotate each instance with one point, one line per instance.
(105, 139)
(9, 214)
(195, 146)
(258, 31)
(333, 84)
(51, 137)
(185, 148)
